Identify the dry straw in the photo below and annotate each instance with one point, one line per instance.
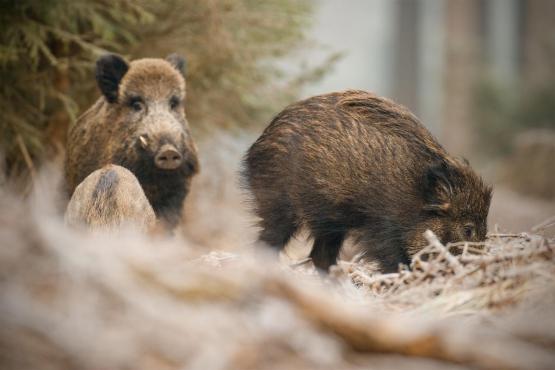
(90, 301)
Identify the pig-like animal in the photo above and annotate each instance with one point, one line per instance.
(108, 199)
(139, 123)
(353, 161)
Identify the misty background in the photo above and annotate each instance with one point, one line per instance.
(464, 68)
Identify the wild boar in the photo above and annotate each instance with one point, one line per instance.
(108, 199)
(352, 161)
(138, 123)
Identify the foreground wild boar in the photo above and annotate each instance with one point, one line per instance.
(352, 161)
(139, 123)
(108, 199)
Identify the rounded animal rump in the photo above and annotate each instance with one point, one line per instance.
(108, 199)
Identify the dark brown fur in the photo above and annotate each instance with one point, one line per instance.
(143, 98)
(353, 161)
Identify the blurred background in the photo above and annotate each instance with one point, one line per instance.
(479, 74)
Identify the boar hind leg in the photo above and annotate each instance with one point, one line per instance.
(388, 254)
(278, 226)
(277, 235)
(326, 249)
(109, 198)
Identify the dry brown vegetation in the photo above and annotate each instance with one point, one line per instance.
(70, 299)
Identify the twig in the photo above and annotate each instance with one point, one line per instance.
(26, 157)
(504, 235)
(544, 225)
(434, 241)
(383, 335)
(299, 263)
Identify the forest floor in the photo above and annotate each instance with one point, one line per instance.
(209, 299)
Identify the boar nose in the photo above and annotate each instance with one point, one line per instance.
(167, 158)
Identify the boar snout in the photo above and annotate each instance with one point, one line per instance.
(168, 158)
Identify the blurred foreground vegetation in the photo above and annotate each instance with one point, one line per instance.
(48, 49)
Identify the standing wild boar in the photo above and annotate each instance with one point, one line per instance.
(139, 123)
(352, 161)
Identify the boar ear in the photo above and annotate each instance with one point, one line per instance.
(178, 62)
(110, 69)
(438, 188)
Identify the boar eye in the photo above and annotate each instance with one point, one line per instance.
(136, 104)
(469, 231)
(174, 102)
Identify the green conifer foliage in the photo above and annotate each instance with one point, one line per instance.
(48, 49)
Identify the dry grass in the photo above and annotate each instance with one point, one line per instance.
(73, 300)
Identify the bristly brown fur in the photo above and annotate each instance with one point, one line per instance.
(112, 131)
(354, 161)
